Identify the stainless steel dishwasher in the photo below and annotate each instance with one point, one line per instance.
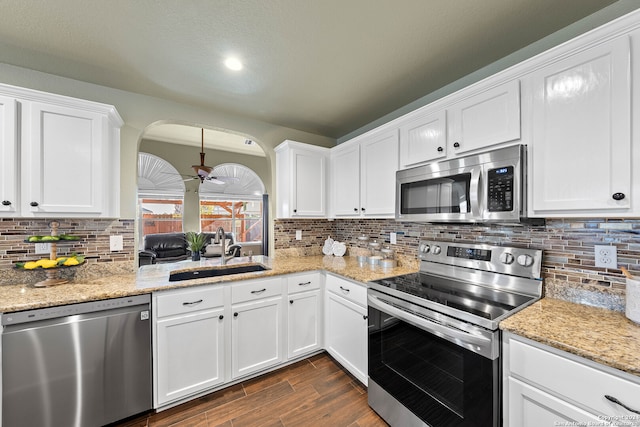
(86, 364)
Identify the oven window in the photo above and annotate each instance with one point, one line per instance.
(439, 195)
(440, 382)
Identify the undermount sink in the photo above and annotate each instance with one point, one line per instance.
(216, 271)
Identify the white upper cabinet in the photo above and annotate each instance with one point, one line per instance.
(345, 180)
(66, 160)
(9, 202)
(581, 133)
(462, 124)
(378, 166)
(488, 118)
(423, 138)
(363, 174)
(301, 178)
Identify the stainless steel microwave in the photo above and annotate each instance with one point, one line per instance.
(486, 187)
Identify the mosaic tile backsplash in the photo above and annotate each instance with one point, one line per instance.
(93, 244)
(568, 265)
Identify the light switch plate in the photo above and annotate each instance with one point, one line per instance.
(116, 243)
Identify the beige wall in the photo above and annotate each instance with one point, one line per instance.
(141, 111)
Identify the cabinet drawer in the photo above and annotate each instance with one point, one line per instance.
(258, 289)
(303, 282)
(349, 290)
(572, 380)
(188, 301)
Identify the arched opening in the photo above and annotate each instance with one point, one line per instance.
(243, 169)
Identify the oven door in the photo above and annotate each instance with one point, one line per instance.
(426, 369)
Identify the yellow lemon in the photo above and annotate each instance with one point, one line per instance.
(71, 261)
(49, 263)
(41, 262)
(30, 265)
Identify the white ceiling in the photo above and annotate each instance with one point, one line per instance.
(323, 66)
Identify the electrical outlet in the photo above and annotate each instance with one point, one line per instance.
(42, 248)
(298, 234)
(392, 238)
(606, 256)
(116, 243)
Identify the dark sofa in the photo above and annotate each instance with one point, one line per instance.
(171, 247)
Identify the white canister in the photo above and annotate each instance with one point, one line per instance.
(632, 309)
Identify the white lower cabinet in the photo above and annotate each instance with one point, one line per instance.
(346, 325)
(189, 334)
(544, 386)
(206, 337)
(257, 328)
(304, 314)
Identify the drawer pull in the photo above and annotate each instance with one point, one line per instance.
(614, 400)
(259, 292)
(345, 290)
(304, 283)
(189, 303)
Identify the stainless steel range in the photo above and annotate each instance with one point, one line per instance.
(434, 342)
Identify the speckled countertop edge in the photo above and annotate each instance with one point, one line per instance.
(601, 335)
(152, 278)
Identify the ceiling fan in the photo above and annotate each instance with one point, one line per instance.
(203, 172)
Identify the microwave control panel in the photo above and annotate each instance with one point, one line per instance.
(500, 183)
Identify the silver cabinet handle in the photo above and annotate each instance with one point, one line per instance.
(259, 292)
(192, 302)
(614, 400)
(345, 289)
(304, 283)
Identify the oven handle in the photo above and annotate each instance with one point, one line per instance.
(476, 343)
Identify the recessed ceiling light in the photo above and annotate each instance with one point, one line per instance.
(233, 64)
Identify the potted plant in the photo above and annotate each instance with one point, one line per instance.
(195, 243)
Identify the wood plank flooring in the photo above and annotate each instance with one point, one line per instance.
(312, 392)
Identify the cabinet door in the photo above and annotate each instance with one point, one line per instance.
(423, 139)
(488, 118)
(379, 163)
(309, 177)
(345, 178)
(62, 167)
(581, 149)
(190, 354)
(304, 320)
(531, 407)
(8, 157)
(346, 334)
(256, 336)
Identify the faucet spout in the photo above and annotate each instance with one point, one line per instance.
(221, 238)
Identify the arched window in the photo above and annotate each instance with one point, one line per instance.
(160, 196)
(234, 200)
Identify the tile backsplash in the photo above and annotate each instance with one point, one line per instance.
(93, 244)
(568, 264)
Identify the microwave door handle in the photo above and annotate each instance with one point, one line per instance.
(464, 339)
(475, 192)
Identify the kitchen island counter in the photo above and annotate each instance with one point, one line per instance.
(603, 336)
(152, 278)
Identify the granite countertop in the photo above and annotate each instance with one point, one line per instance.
(603, 336)
(152, 278)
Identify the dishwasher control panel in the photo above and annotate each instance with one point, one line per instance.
(75, 309)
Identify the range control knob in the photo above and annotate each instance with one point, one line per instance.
(436, 249)
(507, 258)
(424, 248)
(525, 260)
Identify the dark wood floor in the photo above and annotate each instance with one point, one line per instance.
(312, 392)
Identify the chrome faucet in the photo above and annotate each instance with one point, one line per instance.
(221, 238)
